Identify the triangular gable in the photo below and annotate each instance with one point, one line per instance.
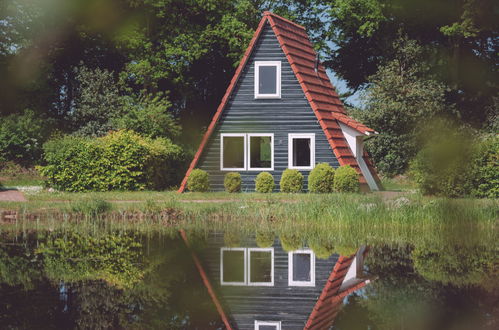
(317, 87)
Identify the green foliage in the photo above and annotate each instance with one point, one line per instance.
(457, 266)
(97, 102)
(454, 163)
(400, 99)
(198, 181)
(322, 248)
(90, 206)
(148, 116)
(291, 181)
(485, 168)
(264, 182)
(120, 160)
(75, 257)
(321, 179)
(264, 238)
(291, 242)
(22, 137)
(232, 182)
(345, 250)
(346, 179)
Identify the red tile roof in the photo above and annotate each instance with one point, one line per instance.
(317, 87)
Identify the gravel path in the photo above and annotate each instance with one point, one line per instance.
(12, 196)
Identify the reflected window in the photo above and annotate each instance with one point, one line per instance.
(233, 151)
(261, 266)
(261, 148)
(247, 266)
(233, 266)
(301, 269)
(267, 79)
(267, 325)
(301, 151)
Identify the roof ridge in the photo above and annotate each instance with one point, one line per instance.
(269, 13)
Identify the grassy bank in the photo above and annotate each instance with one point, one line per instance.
(282, 212)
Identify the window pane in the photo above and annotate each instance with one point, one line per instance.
(261, 266)
(301, 267)
(267, 327)
(268, 82)
(233, 266)
(233, 152)
(301, 152)
(260, 151)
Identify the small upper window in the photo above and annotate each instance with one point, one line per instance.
(301, 151)
(267, 79)
(267, 325)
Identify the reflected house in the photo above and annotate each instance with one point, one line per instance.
(281, 111)
(269, 288)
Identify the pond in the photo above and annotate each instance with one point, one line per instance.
(195, 279)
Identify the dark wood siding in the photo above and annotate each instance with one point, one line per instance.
(291, 305)
(245, 114)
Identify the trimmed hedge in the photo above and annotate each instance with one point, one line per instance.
(321, 179)
(198, 181)
(291, 181)
(264, 182)
(121, 160)
(346, 179)
(232, 182)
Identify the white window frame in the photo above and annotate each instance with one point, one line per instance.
(291, 137)
(222, 266)
(271, 168)
(277, 324)
(222, 136)
(277, 94)
(312, 268)
(271, 250)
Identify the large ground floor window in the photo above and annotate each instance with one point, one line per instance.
(252, 152)
(247, 266)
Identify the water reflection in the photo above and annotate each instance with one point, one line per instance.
(64, 280)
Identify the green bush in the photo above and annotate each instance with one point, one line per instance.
(264, 238)
(485, 168)
(264, 182)
(22, 137)
(291, 181)
(198, 181)
(232, 182)
(291, 242)
(121, 160)
(90, 207)
(346, 179)
(455, 166)
(321, 179)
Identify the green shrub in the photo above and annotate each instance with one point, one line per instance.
(90, 207)
(265, 238)
(346, 179)
(323, 249)
(264, 182)
(291, 242)
(291, 181)
(485, 168)
(321, 179)
(232, 182)
(22, 137)
(121, 160)
(346, 250)
(198, 181)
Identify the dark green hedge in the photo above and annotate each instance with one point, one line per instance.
(121, 160)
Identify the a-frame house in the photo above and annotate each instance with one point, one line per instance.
(281, 111)
(269, 288)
